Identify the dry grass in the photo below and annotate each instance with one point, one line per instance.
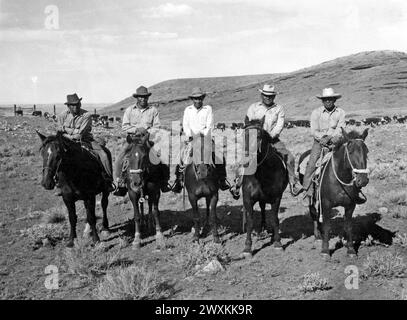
(401, 240)
(89, 261)
(40, 232)
(54, 215)
(194, 256)
(312, 282)
(384, 265)
(132, 283)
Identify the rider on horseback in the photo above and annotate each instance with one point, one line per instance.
(198, 121)
(274, 125)
(141, 115)
(326, 124)
(76, 123)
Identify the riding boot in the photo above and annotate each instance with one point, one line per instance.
(179, 178)
(359, 199)
(121, 188)
(58, 191)
(221, 172)
(235, 189)
(165, 176)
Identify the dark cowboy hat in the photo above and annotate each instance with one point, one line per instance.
(72, 99)
(141, 92)
(197, 93)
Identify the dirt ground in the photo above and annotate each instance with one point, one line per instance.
(270, 274)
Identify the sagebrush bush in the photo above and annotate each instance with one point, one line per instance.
(90, 261)
(312, 282)
(199, 254)
(396, 198)
(132, 283)
(39, 232)
(54, 215)
(384, 265)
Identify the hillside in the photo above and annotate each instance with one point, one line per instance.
(372, 83)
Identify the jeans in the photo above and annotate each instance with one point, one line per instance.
(314, 156)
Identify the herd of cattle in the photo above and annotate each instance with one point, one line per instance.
(103, 121)
(373, 122)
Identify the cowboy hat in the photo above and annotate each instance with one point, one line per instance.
(197, 93)
(268, 90)
(329, 93)
(141, 92)
(72, 99)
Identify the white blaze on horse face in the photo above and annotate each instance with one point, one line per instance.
(49, 151)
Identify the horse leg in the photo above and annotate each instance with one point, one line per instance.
(263, 226)
(90, 205)
(326, 228)
(70, 205)
(137, 220)
(208, 212)
(105, 221)
(159, 237)
(275, 206)
(195, 213)
(247, 252)
(317, 225)
(348, 230)
(213, 218)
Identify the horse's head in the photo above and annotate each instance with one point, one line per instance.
(138, 159)
(52, 150)
(356, 152)
(261, 134)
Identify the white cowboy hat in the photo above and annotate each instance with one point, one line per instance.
(329, 93)
(268, 90)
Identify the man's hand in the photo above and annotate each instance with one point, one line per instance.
(188, 140)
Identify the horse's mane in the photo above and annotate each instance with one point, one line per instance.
(353, 134)
(65, 142)
(258, 124)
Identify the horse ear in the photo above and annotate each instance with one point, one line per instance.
(345, 134)
(42, 137)
(246, 120)
(365, 133)
(128, 139)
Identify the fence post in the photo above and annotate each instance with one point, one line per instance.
(54, 110)
(34, 108)
(15, 110)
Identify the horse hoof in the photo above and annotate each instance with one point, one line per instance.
(326, 256)
(70, 244)
(105, 233)
(246, 255)
(136, 244)
(216, 240)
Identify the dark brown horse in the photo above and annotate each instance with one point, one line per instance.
(201, 181)
(342, 178)
(143, 184)
(79, 176)
(265, 186)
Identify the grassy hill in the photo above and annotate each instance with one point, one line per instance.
(372, 83)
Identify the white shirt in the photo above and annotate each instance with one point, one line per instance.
(274, 117)
(197, 122)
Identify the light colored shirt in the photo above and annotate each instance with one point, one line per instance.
(76, 127)
(135, 117)
(328, 123)
(197, 122)
(274, 117)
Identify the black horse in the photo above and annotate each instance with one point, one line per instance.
(342, 178)
(79, 176)
(265, 186)
(142, 179)
(201, 181)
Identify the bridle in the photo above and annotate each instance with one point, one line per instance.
(57, 169)
(355, 171)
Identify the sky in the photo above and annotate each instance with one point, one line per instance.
(105, 49)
